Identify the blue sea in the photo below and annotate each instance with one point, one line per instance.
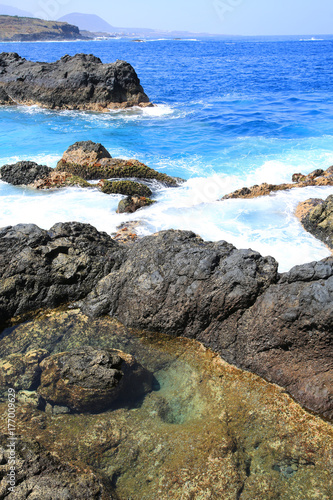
(229, 113)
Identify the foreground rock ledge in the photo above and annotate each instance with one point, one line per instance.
(234, 301)
(79, 82)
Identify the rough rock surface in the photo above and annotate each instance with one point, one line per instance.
(74, 82)
(5, 100)
(24, 172)
(234, 301)
(128, 188)
(316, 178)
(88, 379)
(92, 161)
(39, 475)
(133, 203)
(43, 268)
(60, 180)
(317, 217)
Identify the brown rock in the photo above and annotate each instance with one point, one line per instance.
(133, 203)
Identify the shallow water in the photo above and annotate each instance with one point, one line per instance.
(230, 114)
(207, 430)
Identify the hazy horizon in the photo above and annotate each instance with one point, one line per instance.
(224, 17)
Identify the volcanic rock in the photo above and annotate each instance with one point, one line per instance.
(316, 178)
(81, 82)
(24, 172)
(42, 268)
(128, 188)
(93, 380)
(60, 180)
(41, 475)
(133, 203)
(92, 161)
(317, 217)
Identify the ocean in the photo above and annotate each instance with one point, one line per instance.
(229, 113)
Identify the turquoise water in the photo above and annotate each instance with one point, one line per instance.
(229, 114)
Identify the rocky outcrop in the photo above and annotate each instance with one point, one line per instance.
(93, 380)
(133, 203)
(28, 29)
(92, 161)
(80, 82)
(128, 188)
(234, 301)
(316, 178)
(317, 217)
(60, 180)
(39, 474)
(24, 172)
(43, 268)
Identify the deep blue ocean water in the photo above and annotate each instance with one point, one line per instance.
(229, 113)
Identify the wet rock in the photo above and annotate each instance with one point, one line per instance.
(128, 188)
(60, 180)
(133, 203)
(93, 380)
(5, 100)
(317, 217)
(21, 372)
(40, 268)
(316, 178)
(127, 232)
(41, 475)
(24, 172)
(81, 81)
(92, 161)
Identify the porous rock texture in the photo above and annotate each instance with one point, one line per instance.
(80, 82)
(234, 301)
(24, 172)
(38, 474)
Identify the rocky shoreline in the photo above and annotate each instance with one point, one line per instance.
(80, 82)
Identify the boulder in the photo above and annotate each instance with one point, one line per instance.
(92, 161)
(93, 380)
(60, 180)
(24, 172)
(133, 203)
(79, 82)
(128, 188)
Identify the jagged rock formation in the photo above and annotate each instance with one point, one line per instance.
(234, 301)
(316, 178)
(74, 82)
(316, 216)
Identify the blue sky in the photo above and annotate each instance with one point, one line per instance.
(238, 17)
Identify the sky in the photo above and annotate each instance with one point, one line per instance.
(232, 17)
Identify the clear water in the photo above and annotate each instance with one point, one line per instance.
(230, 114)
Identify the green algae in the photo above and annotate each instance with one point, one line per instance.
(207, 431)
(127, 188)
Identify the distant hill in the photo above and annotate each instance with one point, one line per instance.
(88, 22)
(7, 10)
(26, 29)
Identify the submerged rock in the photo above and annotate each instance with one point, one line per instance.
(316, 178)
(81, 81)
(39, 474)
(133, 203)
(128, 188)
(92, 161)
(317, 217)
(93, 380)
(24, 173)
